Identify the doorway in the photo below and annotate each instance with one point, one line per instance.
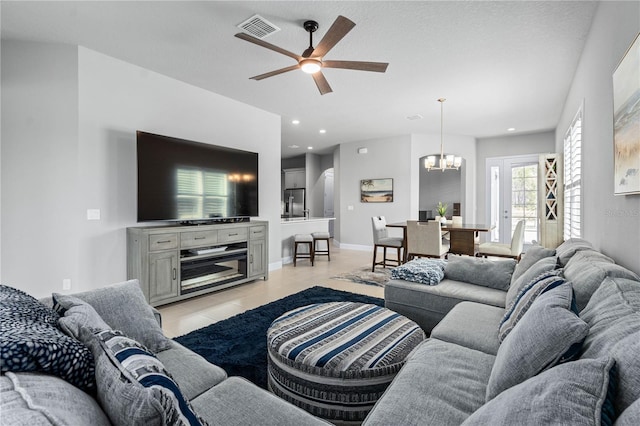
(512, 195)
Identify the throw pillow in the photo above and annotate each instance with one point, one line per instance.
(525, 298)
(424, 271)
(530, 257)
(41, 399)
(124, 307)
(613, 315)
(541, 266)
(77, 315)
(30, 340)
(579, 392)
(549, 333)
(480, 271)
(133, 386)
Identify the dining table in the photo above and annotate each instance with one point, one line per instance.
(462, 237)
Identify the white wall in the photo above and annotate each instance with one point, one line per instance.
(611, 223)
(386, 158)
(397, 158)
(40, 161)
(84, 141)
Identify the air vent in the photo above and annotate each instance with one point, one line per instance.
(258, 27)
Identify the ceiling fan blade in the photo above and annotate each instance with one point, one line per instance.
(357, 65)
(322, 83)
(308, 51)
(270, 46)
(276, 72)
(341, 26)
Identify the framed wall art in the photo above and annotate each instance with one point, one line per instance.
(376, 191)
(626, 122)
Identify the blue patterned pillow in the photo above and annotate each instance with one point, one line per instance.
(30, 340)
(522, 302)
(139, 390)
(424, 271)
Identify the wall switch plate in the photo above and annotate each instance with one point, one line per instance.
(349, 207)
(66, 284)
(93, 214)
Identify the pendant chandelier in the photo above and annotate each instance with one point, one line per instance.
(449, 162)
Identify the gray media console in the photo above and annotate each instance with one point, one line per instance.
(177, 262)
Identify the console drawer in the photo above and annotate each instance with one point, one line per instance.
(159, 242)
(256, 232)
(198, 238)
(232, 234)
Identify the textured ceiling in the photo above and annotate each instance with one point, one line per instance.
(499, 64)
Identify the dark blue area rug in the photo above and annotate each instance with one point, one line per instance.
(239, 344)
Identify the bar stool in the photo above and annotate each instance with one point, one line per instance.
(321, 236)
(302, 239)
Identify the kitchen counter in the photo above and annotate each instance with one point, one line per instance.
(299, 225)
(286, 220)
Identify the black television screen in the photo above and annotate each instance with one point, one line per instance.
(186, 181)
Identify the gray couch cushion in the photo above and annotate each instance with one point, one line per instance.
(567, 249)
(238, 402)
(529, 258)
(545, 336)
(472, 325)
(124, 308)
(540, 267)
(613, 315)
(630, 416)
(33, 399)
(441, 384)
(193, 373)
(480, 271)
(569, 394)
(427, 305)
(587, 274)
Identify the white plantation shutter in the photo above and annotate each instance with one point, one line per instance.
(572, 177)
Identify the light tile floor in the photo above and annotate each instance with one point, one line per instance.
(185, 316)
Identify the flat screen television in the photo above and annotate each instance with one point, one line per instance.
(193, 182)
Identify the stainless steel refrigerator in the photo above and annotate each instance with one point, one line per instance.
(294, 202)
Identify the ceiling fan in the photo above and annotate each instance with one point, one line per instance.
(311, 61)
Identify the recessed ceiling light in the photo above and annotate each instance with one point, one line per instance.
(414, 117)
(309, 148)
(323, 131)
(295, 121)
(294, 146)
(511, 129)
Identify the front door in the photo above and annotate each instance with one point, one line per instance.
(512, 195)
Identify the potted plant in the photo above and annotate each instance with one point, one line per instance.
(442, 211)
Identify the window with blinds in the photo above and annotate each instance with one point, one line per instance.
(202, 194)
(572, 177)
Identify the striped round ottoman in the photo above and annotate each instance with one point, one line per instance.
(336, 359)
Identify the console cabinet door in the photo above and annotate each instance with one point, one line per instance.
(163, 276)
(257, 258)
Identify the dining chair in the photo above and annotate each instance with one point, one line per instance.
(424, 239)
(382, 239)
(513, 250)
(456, 220)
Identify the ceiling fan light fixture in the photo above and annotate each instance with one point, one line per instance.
(310, 66)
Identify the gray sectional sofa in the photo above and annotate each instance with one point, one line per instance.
(465, 374)
(36, 398)
(552, 340)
